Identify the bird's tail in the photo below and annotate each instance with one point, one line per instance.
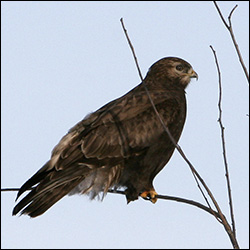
(51, 186)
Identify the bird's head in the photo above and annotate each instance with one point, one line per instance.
(172, 70)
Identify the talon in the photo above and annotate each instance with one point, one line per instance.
(149, 195)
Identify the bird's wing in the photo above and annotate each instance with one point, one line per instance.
(124, 124)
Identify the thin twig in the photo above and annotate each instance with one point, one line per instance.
(9, 189)
(178, 199)
(195, 173)
(223, 143)
(230, 29)
(159, 117)
(163, 197)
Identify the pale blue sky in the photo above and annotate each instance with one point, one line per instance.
(62, 60)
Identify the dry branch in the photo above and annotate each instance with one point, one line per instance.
(159, 196)
(195, 173)
(230, 29)
(224, 144)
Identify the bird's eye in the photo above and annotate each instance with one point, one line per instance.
(179, 67)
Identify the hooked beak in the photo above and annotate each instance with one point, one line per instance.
(193, 74)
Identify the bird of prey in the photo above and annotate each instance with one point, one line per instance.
(121, 146)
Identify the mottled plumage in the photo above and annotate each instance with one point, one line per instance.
(121, 145)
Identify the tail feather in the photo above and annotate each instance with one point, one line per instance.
(52, 186)
(36, 178)
(35, 204)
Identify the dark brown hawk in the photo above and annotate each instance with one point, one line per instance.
(122, 145)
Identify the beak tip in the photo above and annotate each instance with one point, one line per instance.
(195, 75)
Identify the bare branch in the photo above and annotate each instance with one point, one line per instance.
(195, 173)
(9, 189)
(163, 124)
(224, 144)
(231, 13)
(159, 117)
(222, 18)
(163, 197)
(178, 199)
(230, 29)
(133, 52)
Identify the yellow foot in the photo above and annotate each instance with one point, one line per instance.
(149, 195)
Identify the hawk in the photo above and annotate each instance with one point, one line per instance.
(122, 145)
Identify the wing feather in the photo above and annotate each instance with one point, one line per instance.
(128, 122)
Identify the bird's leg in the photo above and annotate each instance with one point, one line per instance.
(149, 195)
